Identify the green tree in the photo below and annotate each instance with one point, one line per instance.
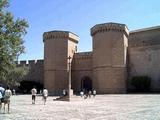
(11, 43)
(16, 75)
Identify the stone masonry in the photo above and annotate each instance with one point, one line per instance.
(58, 46)
(117, 56)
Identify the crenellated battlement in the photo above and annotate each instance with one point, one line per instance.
(21, 63)
(55, 34)
(117, 56)
(60, 34)
(109, 27)
(29, 62)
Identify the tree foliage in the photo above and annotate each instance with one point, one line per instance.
(16, 75)
(11, 43)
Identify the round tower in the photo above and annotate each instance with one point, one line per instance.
(110, 41)
(58, 46)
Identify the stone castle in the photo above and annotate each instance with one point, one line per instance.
(117, 56)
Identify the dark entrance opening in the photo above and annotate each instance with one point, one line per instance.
(86, 83)
(26, 86)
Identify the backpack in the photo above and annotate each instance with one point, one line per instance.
(2, 93)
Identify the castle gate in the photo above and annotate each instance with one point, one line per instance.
(86, 83)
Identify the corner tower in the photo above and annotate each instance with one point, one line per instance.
(58, 45)
(110, 41)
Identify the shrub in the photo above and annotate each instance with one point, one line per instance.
(141, 83)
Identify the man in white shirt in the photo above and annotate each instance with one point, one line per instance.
(45, 95)
(94, 92)
(7, 95)
(34, 92)
(81, 93)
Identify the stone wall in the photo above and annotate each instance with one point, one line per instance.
(110, 43)
(144, 55)
(81, 67)
(36, 72)
(58, 46)
(117, 55)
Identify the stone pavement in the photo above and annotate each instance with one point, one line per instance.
(102, 107)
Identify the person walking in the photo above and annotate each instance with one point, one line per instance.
(81, 94)
(2, 92)
(89, 93)
(34, 92)
(14, 92)
(45, 95)
(7, 95)
(64, 92)
(94, 92)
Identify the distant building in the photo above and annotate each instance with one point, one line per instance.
(117, 56)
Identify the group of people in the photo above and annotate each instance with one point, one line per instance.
(44, 95)
(87, 93)
(5, 95)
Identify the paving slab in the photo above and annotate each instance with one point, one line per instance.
(102, 107)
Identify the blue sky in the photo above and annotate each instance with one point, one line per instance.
(78, 16)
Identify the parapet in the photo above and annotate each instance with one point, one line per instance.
(145, 37)
(39, 62)
(109, 27)
(60, 34)
(83, 55)
(155, 28)
(29, 62)
(24, 62)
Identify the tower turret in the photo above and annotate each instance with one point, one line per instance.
(58, 45)
(110, 41)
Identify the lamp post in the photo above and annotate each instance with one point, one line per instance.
(69, 78)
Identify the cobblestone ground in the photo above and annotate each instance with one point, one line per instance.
(102, 107)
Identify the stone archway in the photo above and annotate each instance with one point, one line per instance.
(86, 83)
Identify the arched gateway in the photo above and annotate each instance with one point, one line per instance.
(86, 83)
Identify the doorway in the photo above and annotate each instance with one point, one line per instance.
(86, 83)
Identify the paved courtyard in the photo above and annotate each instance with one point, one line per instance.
(102, 107)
